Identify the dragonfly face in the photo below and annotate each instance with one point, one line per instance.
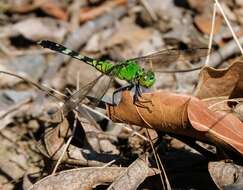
(146, 79)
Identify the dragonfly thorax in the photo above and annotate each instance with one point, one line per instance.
(133, 73)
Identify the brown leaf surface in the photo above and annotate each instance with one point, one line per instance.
(203, 22)
(134, 175)
(82, 178)
(183, 115)
(55, 10)
(89, 14)
(226, 174)
(52, 142)
(221, 82)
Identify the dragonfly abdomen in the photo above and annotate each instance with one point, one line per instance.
(102, 66)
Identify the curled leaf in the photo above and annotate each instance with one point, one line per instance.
(134, 175)
(182, 115)
(83, 178)
(226, 175)
(221, 82)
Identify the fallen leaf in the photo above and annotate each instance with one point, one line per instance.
(129, 40)
(203, 23)
(41, 28)
(200, 6)
(82, 178)
(89, 14)
(221, 82)
(226, 175)
(134, 175)
(54, 10)
(183, 115)
(52, 142)
(30, 66)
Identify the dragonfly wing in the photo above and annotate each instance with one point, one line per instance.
(102, 87)
(159, 61)
(78, 96)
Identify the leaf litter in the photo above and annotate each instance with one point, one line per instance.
(209, 118)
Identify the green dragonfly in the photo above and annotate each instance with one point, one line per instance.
(138, 72)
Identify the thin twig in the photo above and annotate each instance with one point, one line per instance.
(73, 132)
(149, 9)
(108, 164)
(229, 25)
(211, 35)
(46, 89)
(229, 49)
(227, 100)
(62, 155)
(153, 149)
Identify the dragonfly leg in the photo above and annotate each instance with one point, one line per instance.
(123, 88)
(138, 102)
(145, 100)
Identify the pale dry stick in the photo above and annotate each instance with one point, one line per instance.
(95, 111)
(139, 135)
(154, 152)
(108, 164)
(214, 98)
(159, 163)
(132, 130)
(229, 25)
(5, 50)
(211, 35)
(166, 178)
(14, 108)
(149, 9)
(229, 49)
(62, 155)
(44, 88)
(71, 137)
(227, 100)
(10, 110)
(74, 11)
(15, 53)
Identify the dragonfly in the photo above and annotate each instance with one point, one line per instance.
(137, 72)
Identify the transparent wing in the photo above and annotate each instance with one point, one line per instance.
(78, 96)
(159, 61)
(100, 89)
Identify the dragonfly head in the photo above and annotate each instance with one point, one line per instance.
(147, 79)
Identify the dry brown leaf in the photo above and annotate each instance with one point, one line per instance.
(98, 139)
(89, 14)
(221, 82)
(183, 115)
(129, 40)
(83, 178)
(134, 175)
(52, 143)
(226, 174)
(203, 22)
(55, 10)
(24, 6)
(200, 6)
(41, 28)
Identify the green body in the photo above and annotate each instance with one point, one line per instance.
(128, 70)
